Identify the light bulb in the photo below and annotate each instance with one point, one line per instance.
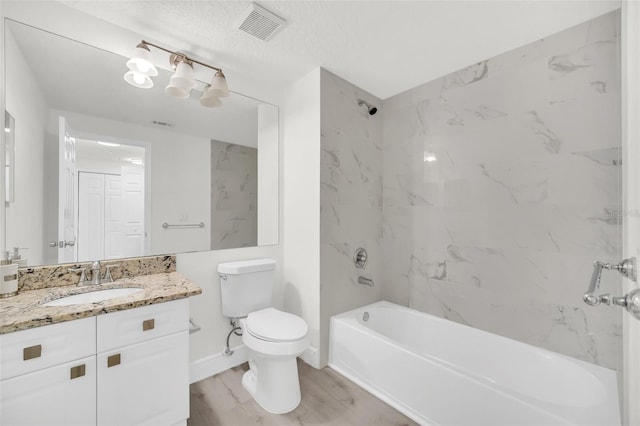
(138, 78)
(143, 67)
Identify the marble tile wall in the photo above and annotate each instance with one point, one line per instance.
(234, 195)
(350, 199)
(502, 184)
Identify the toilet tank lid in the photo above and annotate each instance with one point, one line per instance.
(246, 266)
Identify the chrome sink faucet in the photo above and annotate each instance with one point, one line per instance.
(96, 279)
(95, 273)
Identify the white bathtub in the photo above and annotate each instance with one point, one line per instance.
(438, 372)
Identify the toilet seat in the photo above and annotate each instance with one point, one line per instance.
(272, 325)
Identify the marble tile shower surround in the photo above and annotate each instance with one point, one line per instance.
(500, 232)
(350, 199)
(234, 192)
(40, 277)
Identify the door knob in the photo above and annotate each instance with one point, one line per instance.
(632, 303)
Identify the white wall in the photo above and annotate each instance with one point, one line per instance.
(178, 178)
(302, 205)
(268, 191)
(26, 102)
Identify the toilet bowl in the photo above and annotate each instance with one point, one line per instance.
(274, 339)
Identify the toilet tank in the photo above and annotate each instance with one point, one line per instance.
(246, 286)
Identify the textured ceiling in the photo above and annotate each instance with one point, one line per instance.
(385, 47)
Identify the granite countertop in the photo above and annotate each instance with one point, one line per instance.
(24, 311)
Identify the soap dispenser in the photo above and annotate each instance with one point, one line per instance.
(16, 258)
(8, 277)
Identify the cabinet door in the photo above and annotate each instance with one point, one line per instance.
(146, 383)
(60, 395)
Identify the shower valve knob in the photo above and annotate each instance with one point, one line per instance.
(360, 258)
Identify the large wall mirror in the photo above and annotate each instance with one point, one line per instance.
(105, 170)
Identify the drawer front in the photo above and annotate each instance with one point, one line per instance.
(25, 351)
(141, 324)
(62, 395)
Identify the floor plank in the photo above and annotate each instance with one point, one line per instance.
(327, 399)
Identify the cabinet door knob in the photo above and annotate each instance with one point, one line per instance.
(78, 371)
(113, 360)
(32, 352)
(148, 324)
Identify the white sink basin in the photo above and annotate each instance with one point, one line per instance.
(93, 296)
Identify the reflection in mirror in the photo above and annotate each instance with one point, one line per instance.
(101, 166)
(10, 157)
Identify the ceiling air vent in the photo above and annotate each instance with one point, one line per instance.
(260, 23)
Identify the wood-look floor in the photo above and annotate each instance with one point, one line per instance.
(327, 399)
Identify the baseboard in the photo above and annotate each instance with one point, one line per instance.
(216, 363)
(311, 356)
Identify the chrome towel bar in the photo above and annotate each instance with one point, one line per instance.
(183, 225)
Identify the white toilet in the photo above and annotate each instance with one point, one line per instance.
(273, 338)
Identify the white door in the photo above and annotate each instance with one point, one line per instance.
(133, 214)
(91, 223)
(113, 226)
(631, 201)
(67, 194)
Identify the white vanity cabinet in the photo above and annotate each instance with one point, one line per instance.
(129, 367)
(143, 365)
(48, 375)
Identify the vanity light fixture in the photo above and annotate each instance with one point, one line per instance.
(141, 69)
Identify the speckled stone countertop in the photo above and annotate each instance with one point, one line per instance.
(24, 311)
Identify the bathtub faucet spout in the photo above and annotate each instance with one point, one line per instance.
(365, 281)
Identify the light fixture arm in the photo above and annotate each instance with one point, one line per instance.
(182, 56)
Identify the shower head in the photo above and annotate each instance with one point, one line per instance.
(372, 110)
